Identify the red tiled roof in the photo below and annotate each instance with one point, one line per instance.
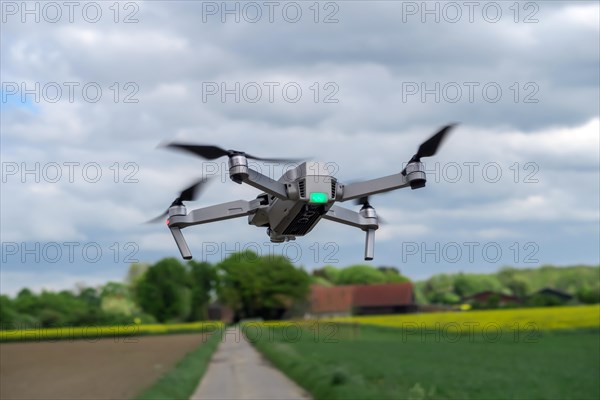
(342, 298)
(388, 294)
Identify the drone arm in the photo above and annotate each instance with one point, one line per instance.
(413, 176)
(365, 220)
(219, 212)
(264, 183)
(374, 186)
(346, 217)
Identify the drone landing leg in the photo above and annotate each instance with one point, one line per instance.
(369, 244)
(180, 240)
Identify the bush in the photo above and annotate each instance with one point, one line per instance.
(445, 298)
(544, 300)
(587, 295)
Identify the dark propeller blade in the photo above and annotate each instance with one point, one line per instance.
(210, 152)
(188, 194)
(191, 193)
(429, 147)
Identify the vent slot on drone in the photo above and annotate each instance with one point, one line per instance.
(333, 187)
(302, 188)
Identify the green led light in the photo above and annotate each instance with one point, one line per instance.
(318, 197)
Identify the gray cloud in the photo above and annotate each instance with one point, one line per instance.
(372, 58)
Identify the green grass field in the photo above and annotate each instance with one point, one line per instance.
(369, 362)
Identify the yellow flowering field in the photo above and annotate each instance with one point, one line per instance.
(96, 332)
(545, 318)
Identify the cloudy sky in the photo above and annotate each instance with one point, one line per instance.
(89, 91)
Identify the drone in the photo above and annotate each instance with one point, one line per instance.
(295, 203)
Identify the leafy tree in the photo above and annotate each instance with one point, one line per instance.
(115, 289)
(240, 282)
(319, 280)
(116, 305)
(588, 295)
(436, 286)
(256, 286)
(27, 302)
(518, 286)
(25, 292)
(203, 281)
(58, 309)
(357, 274)
(117, 301)
(392, 275)
(544, 300)
(444, 298)
(420, 297)
(283, 282)
(8, 314)
(328, 273)
(163, 292)
(136, 273)
(493, 301)
(360, 274)
(90, 296)
(49, 317)
(507, 274)
(387, 268)
(466, 285)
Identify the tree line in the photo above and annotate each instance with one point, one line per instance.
(165, 292)
(581, 282)
(268, 287)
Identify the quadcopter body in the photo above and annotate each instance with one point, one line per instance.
(295, 203)
(311, 193)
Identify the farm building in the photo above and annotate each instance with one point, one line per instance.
(389, 298)
(558, 294)
(488, 296)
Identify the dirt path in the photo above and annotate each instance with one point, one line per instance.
(238, 371)
(80, 369)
